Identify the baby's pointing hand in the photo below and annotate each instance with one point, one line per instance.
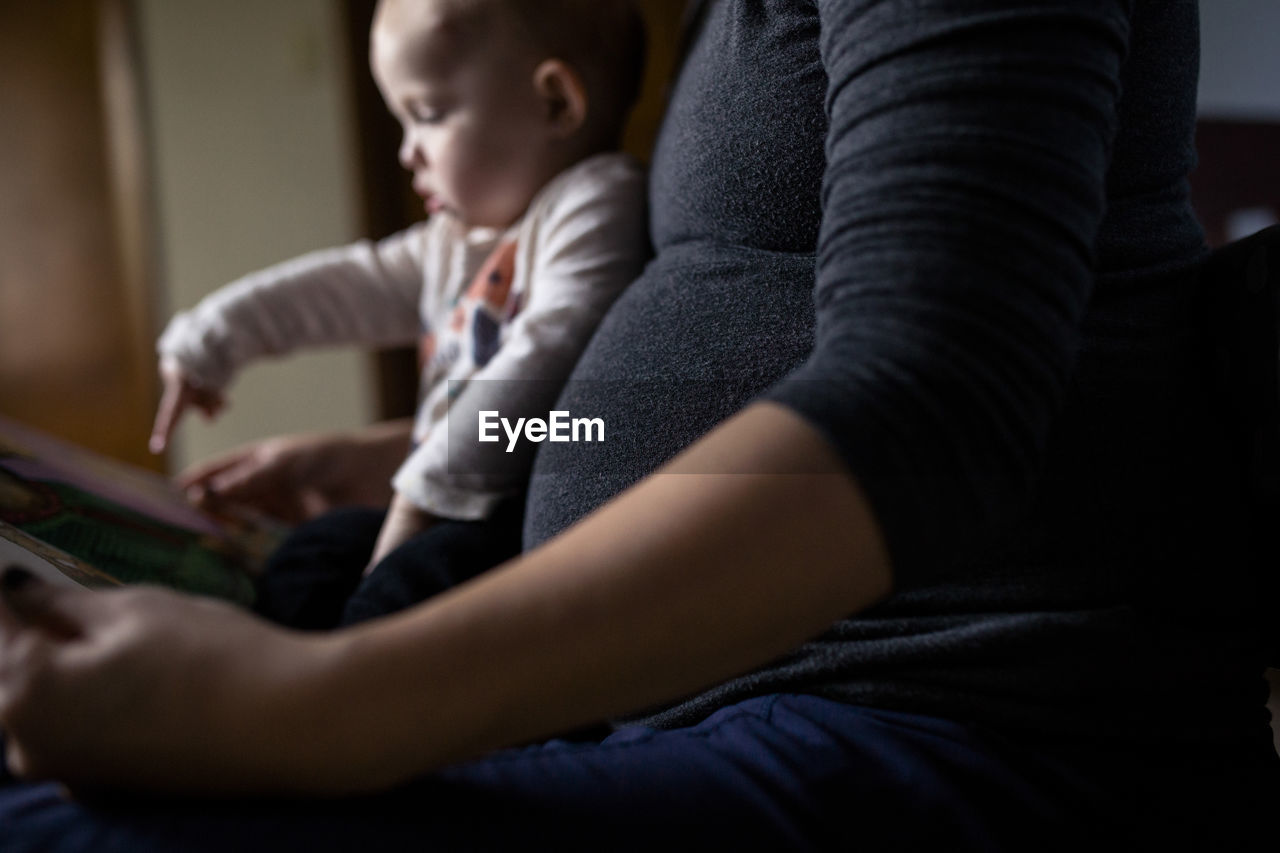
(180, 393)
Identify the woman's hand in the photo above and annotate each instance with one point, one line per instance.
(298, 477)
(147, 689)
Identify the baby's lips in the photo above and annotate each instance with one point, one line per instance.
(430, 200)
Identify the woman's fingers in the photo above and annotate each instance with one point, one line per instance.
(25, 610)
(115, 706)
(10, 625)
(15, 759)
(63, 611)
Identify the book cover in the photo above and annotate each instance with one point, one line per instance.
(98, 522)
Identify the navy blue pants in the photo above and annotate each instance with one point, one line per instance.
(785, 772)
(774, 773)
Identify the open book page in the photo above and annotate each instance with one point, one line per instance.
(130, 525)
(47, 562)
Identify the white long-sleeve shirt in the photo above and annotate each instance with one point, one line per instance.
(500, 318)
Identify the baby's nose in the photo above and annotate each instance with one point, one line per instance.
(411, 156)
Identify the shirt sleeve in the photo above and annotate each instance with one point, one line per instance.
(587, 245)
(967, 153)
(366, 293)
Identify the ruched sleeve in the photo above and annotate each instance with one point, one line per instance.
(967, 155)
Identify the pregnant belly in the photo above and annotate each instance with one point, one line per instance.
(691, 342)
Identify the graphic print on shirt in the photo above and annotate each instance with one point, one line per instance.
(486, 299)
(426, 349)
(477, 318)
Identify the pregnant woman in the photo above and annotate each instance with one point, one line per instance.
(933, 541)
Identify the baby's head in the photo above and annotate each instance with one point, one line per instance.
(496, 97)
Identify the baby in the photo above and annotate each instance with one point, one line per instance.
(512, 112)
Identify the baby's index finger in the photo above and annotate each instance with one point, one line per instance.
(175, 400)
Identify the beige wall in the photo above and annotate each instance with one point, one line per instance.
(252, 139)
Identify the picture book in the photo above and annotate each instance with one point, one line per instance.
(70, 514)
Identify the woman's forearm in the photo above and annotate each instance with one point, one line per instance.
(688, 578)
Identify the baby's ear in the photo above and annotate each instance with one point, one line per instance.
(563, 95)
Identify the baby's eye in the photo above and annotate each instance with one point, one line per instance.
(423, 114)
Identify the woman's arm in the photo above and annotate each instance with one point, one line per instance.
(752, 541)
(968, 149)
(748, 543)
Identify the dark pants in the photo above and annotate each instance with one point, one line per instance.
(774, 773)
(314, 581)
